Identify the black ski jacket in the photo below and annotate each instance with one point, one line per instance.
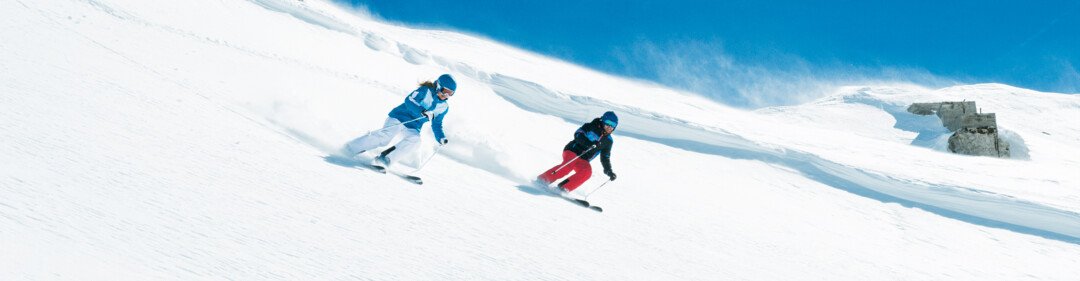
(589, 134)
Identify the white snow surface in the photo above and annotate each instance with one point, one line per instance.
(190, 140)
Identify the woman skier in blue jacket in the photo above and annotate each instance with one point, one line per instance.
(428, 102)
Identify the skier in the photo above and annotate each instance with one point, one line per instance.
(427, 102)
(592, 139)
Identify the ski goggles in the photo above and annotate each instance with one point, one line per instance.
(611, 123)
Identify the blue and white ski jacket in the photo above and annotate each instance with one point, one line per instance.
(420, 100)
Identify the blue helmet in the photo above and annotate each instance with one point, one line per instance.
(446, 81)
(610, 119)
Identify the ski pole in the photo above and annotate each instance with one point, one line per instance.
(578, 156)
(572, 160)
(422, 165)
(395, 125)
(598, 188)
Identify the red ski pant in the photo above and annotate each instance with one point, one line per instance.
(581, 168)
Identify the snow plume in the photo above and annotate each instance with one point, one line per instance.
(1070, 78)
(359, 10)
(766, 78)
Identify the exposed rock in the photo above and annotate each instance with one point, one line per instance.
(974, 133)
(950, 112)
(980, 142)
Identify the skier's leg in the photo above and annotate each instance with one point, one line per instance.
(407, 144)
(582, 173)
(555, 173)
(375, 139)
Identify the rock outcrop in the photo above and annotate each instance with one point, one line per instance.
(974, 133)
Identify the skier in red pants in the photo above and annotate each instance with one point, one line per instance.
(592, 139)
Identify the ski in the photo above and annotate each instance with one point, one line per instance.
(354, 163)
(583, 203)
(576, 201)
(413, 179)
(383, 170)
(410, 178)
(376, 168)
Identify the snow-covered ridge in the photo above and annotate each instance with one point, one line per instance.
(686, 129)
(186, 140)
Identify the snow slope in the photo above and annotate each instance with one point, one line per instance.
(189, 140)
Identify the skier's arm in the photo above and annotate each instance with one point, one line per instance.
(605, 160)
(436, 126)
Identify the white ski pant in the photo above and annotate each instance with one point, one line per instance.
(393, 128)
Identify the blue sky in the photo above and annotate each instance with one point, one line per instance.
(759, 53)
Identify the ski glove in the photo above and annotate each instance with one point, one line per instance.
(610, 174)
(443, 141)
(430, 115)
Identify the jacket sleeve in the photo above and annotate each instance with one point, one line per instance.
(436, 125)
(605, 156)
